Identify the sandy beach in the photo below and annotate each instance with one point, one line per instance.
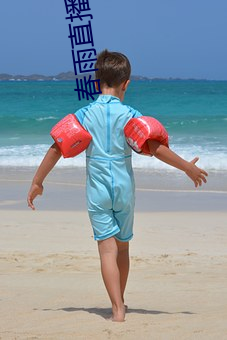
(51, 286)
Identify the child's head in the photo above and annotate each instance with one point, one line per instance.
(113, 68)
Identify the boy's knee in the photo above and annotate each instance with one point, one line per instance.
(108, 245)
(122, 246)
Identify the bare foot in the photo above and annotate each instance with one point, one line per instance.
(117, 318)
(118, 314)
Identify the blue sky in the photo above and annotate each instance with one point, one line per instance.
(162, 38)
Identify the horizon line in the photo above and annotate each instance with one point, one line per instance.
(72, 77)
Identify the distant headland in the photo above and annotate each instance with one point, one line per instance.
(63, 76)
(70, 76)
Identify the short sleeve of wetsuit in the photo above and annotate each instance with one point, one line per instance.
(80, 114)
(134, 113)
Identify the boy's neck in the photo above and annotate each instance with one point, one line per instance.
(114, 91)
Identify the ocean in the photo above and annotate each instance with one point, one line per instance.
(194, 113)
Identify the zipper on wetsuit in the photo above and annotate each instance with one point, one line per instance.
(108, 130)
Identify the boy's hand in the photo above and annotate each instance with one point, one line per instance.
(196, 174)
(34, 191)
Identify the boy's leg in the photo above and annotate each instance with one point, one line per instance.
(123, 264)
(108, 251)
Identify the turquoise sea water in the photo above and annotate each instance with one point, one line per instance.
(193, 112)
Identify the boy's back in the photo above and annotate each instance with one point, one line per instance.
(110, 181)
(105, 120)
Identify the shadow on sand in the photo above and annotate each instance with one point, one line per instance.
(106, 312)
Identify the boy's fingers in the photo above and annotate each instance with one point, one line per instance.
(203, 178)
(195, 160)
(32, 206)
(32, 195)
(204, 172)
(30, 203)
(199, 180)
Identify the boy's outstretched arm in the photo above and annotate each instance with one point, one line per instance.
(47, 164)
(166, 155)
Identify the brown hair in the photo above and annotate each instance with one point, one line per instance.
(113, 68)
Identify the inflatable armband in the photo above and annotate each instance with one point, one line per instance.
(139, 130)
(70, 136)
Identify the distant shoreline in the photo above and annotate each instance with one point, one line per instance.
(70, 76)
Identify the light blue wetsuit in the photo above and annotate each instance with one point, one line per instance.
(110, 180)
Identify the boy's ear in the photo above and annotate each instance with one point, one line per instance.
(125, 85)
(96, 86)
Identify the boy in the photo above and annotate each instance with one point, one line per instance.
(110, 181)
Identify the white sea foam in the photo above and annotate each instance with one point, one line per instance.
(32, 155)
(45, 118)
(211, 158)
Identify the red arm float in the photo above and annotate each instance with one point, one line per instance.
(70, 136)
(139, 130)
